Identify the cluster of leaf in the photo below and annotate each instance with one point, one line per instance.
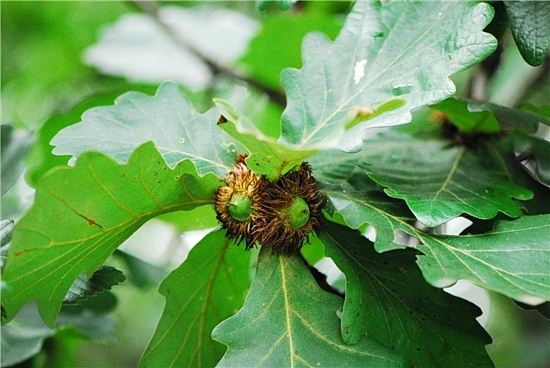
(147, 156)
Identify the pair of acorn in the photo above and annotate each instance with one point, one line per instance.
(278, 215)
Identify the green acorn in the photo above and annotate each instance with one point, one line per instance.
(288, 212)
(278, 215)
(235, 200)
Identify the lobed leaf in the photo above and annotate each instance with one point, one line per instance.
(438, 181)
(498, 260)
(388, 300)
(530, 25)
(102, 203)
(168, 119)
(40, 158)
(208, 287)
(102, 279)
(512, 259)
(288, 321)
(358, 202)
(387, 216)
(399, 50)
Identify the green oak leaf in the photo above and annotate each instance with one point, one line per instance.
(168, 119)
(530, 25)
(266, 156)
(102, 203)
(440, 182)
(350, 192)
(512, 259)
(288, 321)
(40, 158)
(388, 216)
(388, 299)
(207, 288)
(102, 279)
(397, 50)
(492, 266)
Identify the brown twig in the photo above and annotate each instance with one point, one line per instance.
(152, 9)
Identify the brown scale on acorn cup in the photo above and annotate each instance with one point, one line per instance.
(278, 214)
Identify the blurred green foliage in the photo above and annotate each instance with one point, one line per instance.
(46, 86)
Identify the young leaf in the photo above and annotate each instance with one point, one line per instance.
(388, 300)
(102, 203)
(397, 50)
(512, 259)
(168, 119)
(266, 156)
(530, 25)
(288, 321)
(207, 288)
(83, 287)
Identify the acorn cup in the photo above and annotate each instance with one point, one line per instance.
(277, 215)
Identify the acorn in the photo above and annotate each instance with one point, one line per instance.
(235, 200)
(278, 215)
(289, 210)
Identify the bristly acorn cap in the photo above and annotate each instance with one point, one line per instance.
(278, 215)
(288, 211)
(234, 203)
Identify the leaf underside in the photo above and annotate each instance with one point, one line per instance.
(168, 119)
(103, 203)
(83, 288)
